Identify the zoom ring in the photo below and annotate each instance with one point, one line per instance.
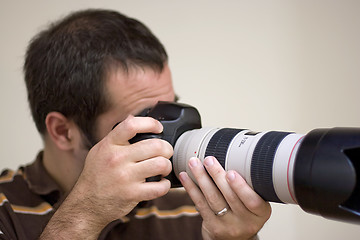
(262, 165)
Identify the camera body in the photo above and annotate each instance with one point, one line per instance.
(176, 119)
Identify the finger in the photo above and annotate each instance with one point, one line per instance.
(128, 128)
(212, 194)
(139, 151)
(152, 190)
(152, 167)
(252, 201)
(196, 196)
(218, 174)
(150, 148)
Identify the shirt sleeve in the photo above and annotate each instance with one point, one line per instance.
(10, 226)
(3, 236)
(7, 231)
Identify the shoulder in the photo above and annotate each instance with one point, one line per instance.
(20, 208)
(17, 196)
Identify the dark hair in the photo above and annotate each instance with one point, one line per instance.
(66, 65)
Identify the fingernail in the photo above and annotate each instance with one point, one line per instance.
(193, 162)
(230, 176)
(161, 127)
(182, 176)
(209, 161)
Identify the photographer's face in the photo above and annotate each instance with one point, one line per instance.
(131, 92)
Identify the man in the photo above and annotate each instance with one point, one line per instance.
(84, 74)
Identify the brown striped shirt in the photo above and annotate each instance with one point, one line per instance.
(29, 197)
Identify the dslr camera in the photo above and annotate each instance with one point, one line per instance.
(319, 171)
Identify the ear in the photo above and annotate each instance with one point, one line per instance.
(61, 130)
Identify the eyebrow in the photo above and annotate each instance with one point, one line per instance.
(176, 99)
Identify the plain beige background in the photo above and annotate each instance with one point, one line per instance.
(263, 65)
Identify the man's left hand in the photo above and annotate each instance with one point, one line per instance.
(230, 208)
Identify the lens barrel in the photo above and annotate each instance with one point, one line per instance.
(264, 159)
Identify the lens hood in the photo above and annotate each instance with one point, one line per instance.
(326, 173)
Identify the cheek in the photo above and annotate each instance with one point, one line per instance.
(105, 123)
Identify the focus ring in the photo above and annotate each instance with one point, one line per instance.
(219, 144)
(262, 165)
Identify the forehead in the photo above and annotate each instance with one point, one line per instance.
(138, 88)
(131, 92)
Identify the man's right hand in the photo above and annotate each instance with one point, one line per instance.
(113, 181)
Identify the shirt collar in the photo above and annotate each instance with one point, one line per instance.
(38, 179)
